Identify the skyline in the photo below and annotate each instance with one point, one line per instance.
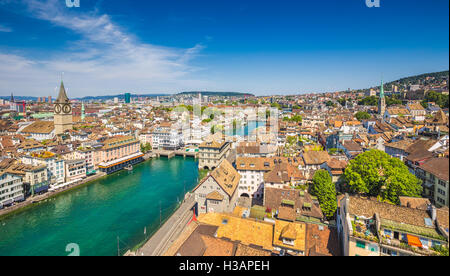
(165, 48)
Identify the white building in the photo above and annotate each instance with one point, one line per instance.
(11, 189)
(55, 166)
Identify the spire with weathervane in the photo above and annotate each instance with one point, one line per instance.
(382, 101)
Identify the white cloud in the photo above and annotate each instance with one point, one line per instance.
(106, 60)
(5, 29)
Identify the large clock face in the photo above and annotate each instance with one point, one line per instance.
(57, 108)
(67, 108)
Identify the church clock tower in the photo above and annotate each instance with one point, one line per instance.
(62, 112)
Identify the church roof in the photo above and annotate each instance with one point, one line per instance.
(62, 96)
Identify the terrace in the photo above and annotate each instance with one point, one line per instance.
(417, 239)
(365, 228)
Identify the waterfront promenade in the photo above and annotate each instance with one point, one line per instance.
(169, 231)
(39, 198)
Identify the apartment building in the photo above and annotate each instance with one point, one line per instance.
(11, 189)
(217, 192)
(371, 228)
(75, 169)
(34, 178)
(252, 170)
(212, 153)
(55, 165)
(434, 175)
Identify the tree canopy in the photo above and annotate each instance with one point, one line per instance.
(362, 115)
(325, 191)
(375, 173)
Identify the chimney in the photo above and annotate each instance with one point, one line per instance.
(433, 213)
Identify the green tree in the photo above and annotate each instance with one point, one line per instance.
(370, 101)
(375, 173)
(291, 140)
(146, 148)
(362, 115)
(325, 191)
(342, 101)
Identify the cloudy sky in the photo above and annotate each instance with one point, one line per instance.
(262, 47)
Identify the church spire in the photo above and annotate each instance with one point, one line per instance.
(62, 96)
(382, 89)
(82, 112)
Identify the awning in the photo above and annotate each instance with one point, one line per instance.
(19, 198)
(41, 189)
(414, 241)
(7, 202)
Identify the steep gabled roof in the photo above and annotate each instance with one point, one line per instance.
(62, 96)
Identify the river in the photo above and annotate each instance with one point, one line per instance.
(91, 218)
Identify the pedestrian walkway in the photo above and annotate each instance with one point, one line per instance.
(169, 231)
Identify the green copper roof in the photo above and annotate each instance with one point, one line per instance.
(382, 90)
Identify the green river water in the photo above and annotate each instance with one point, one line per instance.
(92, 217)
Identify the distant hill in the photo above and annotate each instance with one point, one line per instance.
(223, 94)
(423, 79)
(120, 97)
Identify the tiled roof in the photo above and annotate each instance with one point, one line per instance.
(414, 202)
(322, 241)
(215, 195)
(438, 167)
(290, 230)
(40, 127)
(244, 250)
(367, 208)
(227, 177)
(247, 231)
(273, 198)
(315, 157)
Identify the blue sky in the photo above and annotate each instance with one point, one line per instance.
(262, 47)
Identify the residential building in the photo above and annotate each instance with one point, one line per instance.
(217, 192)
(371, 228)
(212, 153)
(11, 189)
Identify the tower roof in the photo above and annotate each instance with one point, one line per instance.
(382, 89)
(62, 96)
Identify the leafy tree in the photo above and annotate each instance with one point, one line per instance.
(291, 140)
(392, 101)
(438, 98)
(362, 115)
(375, 173)
(325, 191)
(146, 148)
(370, 101)
(276, 105)
(342, 101)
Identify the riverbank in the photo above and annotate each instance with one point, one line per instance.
(32, 201)
(168, 232)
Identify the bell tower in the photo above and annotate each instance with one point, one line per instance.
(62, 112)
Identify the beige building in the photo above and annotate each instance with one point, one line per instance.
(35, 178)
(212, 153)
(217, 192)
(62, 112)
